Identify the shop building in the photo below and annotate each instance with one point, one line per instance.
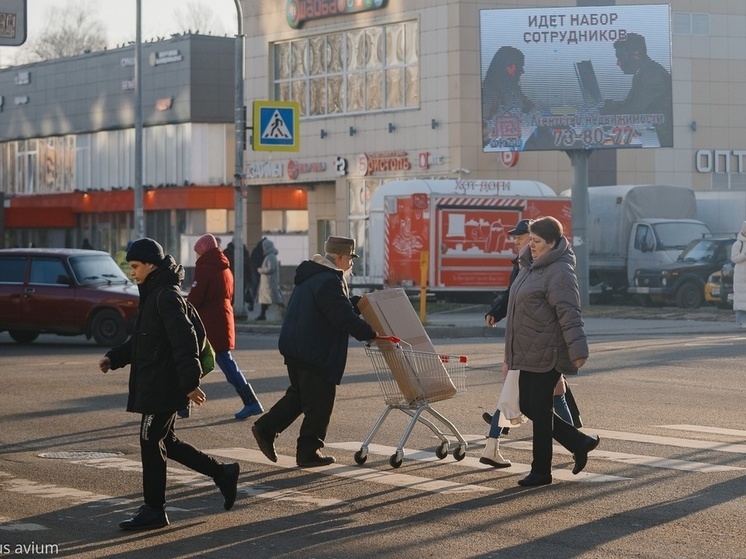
(386, 90)
(391, 90)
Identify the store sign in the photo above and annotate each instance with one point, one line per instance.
(369, 163)
(719, 161)
(295, 168)
(425, 159)
(299, 11)
(23, 78)
(340, 166)
(165, 57)
(266, 170)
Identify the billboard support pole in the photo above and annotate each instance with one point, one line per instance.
(579, 159)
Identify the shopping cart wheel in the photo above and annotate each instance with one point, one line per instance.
(396, 459)
(442, 451)
(360, 457)
(459, 453)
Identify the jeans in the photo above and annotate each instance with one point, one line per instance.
(230, 369)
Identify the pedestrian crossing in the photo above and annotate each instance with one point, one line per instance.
(381, 474)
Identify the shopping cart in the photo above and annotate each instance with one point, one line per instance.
(410, 381)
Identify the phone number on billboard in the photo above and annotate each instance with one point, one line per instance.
(596, 136)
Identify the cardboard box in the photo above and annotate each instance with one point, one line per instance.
(419, 376)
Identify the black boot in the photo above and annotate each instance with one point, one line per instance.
(263, 314)
(251, 405)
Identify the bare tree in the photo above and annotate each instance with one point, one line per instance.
(199, 17)
(68, 31)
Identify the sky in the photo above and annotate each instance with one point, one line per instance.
(118, 16)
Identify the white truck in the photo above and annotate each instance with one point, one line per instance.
(459, 227)
(636, 226)
(724, 211)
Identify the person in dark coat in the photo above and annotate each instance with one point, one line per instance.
(163, 354)
(651, 91)
(313, 340)
(248, 272)
(212, 296)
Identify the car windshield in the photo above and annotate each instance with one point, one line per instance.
(678, 235)
(700, 251)
(97, 268)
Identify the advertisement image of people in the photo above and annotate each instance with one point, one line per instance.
(576, 78)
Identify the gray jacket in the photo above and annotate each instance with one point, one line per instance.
(544, 329)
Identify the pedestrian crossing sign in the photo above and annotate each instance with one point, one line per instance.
(276, 126)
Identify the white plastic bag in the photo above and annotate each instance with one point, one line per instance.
(508, 404)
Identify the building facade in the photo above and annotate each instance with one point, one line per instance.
(391, 90)
(386, 90)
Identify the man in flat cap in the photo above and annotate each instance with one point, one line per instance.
(319, 321)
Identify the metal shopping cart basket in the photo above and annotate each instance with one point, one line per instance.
(410, 381)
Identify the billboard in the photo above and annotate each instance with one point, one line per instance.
(576, 78)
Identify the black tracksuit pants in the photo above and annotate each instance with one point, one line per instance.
(159, 442)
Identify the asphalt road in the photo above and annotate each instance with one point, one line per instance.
(666, 482)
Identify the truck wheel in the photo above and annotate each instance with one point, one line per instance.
(689, 296)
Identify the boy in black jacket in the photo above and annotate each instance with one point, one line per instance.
(163, 354)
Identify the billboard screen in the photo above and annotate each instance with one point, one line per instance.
(576, 78)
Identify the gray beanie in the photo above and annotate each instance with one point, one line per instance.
(146, 251)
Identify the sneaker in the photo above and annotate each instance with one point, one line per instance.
(228, 484)
(265, 443)
(146, 518)
(314, 460)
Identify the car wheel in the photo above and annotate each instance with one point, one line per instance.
(24, 336)
(108, 328)
(689, 296)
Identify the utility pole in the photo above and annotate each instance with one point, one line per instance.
(239, 307)
(139, 211)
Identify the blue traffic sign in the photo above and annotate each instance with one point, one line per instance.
(276, 126)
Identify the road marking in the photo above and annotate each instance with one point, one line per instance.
(9, 525)
(179, 476)
(639, 460)
(705, 429)
(470, 462)
(50, 491)
(672, 441)
(358, 473)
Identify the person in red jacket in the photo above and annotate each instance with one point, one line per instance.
(212, 296)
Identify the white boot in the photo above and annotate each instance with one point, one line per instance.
(492, 456)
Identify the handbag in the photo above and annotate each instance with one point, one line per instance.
(206, 352)
(508, 403)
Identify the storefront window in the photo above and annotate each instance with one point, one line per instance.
(361, 70)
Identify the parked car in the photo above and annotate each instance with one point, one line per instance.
(712, 289)
(726, 286)
(68, 292)
(682, 282)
